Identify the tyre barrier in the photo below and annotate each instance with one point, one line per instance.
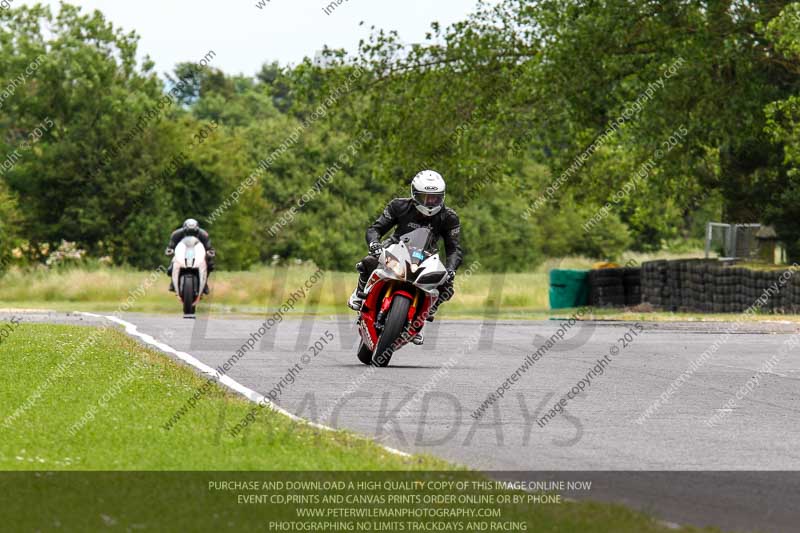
(712, 286)
(615, 287)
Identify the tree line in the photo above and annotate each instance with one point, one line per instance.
(536, 113)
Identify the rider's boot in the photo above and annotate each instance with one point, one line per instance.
(171, 286)
(357, 298)
(418, 339)
(432, 311)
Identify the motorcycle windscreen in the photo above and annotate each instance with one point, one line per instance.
(419, 243)
(193, 250)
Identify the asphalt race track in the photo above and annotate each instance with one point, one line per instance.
(463, 361)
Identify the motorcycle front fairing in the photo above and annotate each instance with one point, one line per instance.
(405, 268)
(190, 257)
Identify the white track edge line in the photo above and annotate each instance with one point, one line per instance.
(253, 396)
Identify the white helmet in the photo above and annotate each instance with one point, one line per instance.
(191, 227)
(427, 190)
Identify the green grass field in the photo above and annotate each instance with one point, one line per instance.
(131, 392)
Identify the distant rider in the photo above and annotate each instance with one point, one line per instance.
(191, 228)
(425, 209)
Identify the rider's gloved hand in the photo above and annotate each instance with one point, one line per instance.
(169, 251)
(375, 248)
(451, 276)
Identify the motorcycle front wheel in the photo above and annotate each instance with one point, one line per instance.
(187, 295)
(364, 353)
(392, 329)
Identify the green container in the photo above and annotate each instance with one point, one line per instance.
(568, 288)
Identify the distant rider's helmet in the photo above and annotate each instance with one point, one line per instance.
(427, 190)
(191, 227)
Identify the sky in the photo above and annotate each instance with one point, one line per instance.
(245, 36)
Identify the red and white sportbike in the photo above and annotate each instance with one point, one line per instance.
(399, 295)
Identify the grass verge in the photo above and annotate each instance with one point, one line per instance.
(131, 391)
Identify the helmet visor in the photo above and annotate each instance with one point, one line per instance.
(191, 227)
(429, 199)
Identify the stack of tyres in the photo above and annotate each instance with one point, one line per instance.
(794, 294)
(727, 282)
(776, 301)
(749, 288)
(672, 296)
(691, 291)
(653, 282)
(606, 287)
(647, 281)
(738, 282)
(705, 280)
(713, 286)
(710, 285)
(734, 288)
(720, 283)
(762, 286)
(789, 299)
(786, 294)
(743, 300)
(734, 279)
(730, 279)
(691, 288)
(761, 281)
(688, 290)
(659, 282)
(632, 282)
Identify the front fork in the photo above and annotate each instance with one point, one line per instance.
(386, 304)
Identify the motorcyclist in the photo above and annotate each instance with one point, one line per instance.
(425, 209)
(191, 228)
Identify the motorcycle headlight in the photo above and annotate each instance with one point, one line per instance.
(395, 266)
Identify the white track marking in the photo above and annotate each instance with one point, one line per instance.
(253, 396)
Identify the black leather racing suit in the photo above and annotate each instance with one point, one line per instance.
(402, 214)
(202, 235)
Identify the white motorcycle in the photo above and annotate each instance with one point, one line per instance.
(189, 273)
(399, 295)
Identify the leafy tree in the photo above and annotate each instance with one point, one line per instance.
(9, 234)
(80, 178)
(783, 125)
(564, 70)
